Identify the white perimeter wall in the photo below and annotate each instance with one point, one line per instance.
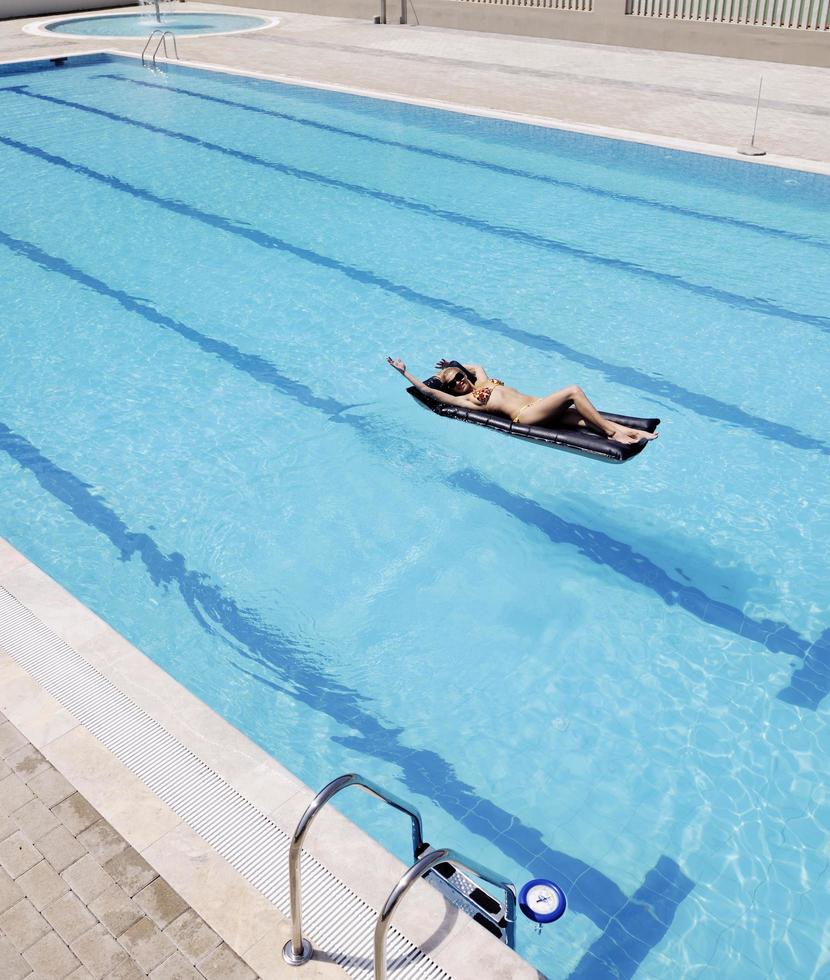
(608, 23)
(40, 8)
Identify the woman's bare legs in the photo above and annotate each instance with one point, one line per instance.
(551, 408)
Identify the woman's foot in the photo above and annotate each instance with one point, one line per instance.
(625, 435)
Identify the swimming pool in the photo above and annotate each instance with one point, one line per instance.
(613, 676)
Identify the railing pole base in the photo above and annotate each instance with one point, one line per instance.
(291, 957)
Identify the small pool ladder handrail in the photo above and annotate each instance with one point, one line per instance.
(381, 18)
(298, 949)
(162, 42)
(421, 868)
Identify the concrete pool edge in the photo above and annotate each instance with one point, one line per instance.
(716, 150)
(527, 119)
(41, 27)
(700, 148)
(232, 906)
(546, 122)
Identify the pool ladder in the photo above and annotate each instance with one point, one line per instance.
(445, 868)
(161, 43)
(381, 17)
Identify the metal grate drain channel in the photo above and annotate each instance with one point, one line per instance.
(334, 917)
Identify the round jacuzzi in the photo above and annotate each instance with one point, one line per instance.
(141, 24)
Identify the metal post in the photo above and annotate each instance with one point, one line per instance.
(299, 950)
(757, 109)
(750, 149)
(418, 870)
(403, 11)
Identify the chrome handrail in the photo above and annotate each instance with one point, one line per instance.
(149, 40)
(381, 18)
(418, 870)
(299, 950)
(163, 41)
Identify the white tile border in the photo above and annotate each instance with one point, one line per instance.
(40, 28)
(546, 122)
(237, 911)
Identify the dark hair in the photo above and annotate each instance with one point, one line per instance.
(436, 382)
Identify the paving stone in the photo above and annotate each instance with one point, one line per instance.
(10, 893)
(5, 769)
(35, 820)
(102, 842)
(51, 958)
(60, 848)
(192, 935)
(14, 793)
(115, 909)
(76, 814)
(224, 964)
(17, 855)
(146, 944)
(42, 885)
(127, 970)
(50, 786)
(11, 739)
(130, 870)
(160, 902)
(80, 974)
(175, 967)
(98, 951)
(69, 917)
(27, 762)
(23, 925)
(86, 878)
(8, 825)
(12, 964)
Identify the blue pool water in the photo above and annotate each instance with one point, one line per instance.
(617, 677)
(140, 25)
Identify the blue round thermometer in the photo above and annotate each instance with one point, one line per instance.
(542, 900)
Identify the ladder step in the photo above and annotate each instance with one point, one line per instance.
(489, 925)
(485, 901)
(460, 890)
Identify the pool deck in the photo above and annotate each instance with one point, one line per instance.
(688, 101)
(76, 899)
(63, 673)
(685, 101)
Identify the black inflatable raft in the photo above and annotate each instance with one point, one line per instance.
(572, 440)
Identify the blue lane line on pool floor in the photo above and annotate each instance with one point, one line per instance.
(636, 925)
(609, 958)
(715, 293)
(497, 168)
(810, 683)
(254, 365)
(700, 404)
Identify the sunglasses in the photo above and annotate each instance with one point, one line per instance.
(459, 377)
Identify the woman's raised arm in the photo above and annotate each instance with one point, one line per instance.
(435, 393)
(478, 370)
